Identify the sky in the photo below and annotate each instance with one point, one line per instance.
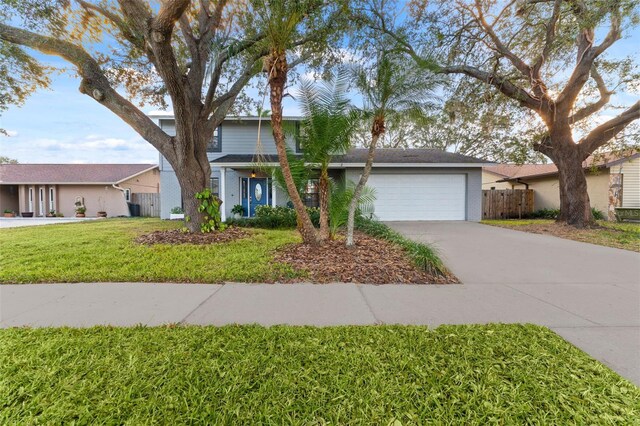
(61, 125)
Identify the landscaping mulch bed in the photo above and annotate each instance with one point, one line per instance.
(372, 261)
(176, 236)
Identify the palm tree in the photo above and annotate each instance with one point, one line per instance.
(327, 126)
(282, 20)
(391, 88)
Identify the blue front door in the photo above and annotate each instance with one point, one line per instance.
(258, 194)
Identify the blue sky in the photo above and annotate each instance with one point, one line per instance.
(60, 125)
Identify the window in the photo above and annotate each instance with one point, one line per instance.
(214, 186)
(127, 195)
(30, 199)
(216, 142)
(299, 136)
(52, 203)
(41, 201)
(311, 198)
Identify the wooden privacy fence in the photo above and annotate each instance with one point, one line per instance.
(507, 203)
(149, 204)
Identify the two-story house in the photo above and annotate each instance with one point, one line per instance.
(409, 184)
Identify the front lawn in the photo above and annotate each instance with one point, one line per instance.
(104, 250)
(623, 235)
(391, 375)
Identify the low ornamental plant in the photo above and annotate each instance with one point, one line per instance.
(210, 206)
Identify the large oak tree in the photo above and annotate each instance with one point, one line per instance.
(550, 57)
(198, 56)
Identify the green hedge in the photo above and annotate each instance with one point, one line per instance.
(278, 217)
(554, 213)
(422, 255)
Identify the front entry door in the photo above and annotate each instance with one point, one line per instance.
(258, 194)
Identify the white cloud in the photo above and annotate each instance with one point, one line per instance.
(88, 149)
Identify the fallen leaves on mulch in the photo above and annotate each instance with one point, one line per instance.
(176, 236)
(372, 261)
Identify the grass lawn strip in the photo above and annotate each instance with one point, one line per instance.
(105, 250)
(503, 374)
(610, 234)
(151, 250)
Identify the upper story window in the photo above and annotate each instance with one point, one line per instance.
(299, 136)
(215, 145)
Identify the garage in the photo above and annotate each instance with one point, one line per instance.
(405, 197)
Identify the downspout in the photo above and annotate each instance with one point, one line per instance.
(115, 186)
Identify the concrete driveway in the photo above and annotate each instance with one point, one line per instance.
(598, 285)
(19, 222)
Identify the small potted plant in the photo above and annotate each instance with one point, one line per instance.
(80, 211)
(102, 214)
(9, 213)
(176, 213)
(237, 211)
(52, 213)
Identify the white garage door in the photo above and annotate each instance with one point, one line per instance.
(419, 196)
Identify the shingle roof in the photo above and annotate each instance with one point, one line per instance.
(68, 173)
(516, 171)
(383, 155)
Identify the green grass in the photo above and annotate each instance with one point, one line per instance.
(493, 374)
(624, 235)
(104, 250)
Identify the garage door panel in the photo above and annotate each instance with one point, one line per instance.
(419, 196)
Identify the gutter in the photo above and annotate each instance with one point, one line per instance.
(115, 186)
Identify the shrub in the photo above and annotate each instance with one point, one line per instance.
(278, 217)
(422, 255)
(545, 214)
(554, 213)
(176, 210)
(597, 214)
(210, 206)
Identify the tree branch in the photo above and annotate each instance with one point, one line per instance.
(94, 83)
(548, 43)
(503, 85)
(605, 96)
(518, 63)
(608, 130)
(587, 54)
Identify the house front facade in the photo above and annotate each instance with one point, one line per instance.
(39, 189)
(412, 184)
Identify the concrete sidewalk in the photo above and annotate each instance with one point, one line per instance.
(127, 304)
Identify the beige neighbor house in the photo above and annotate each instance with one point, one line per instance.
(42, 188)
(612, 181)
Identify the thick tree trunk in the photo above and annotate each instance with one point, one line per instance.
(276, 67)
(575, 206)
(323, 191)
(376, 130)
(193, 176)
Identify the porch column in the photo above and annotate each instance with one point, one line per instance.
(223, 188)
(273, 191)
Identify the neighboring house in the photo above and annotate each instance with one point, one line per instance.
(612, 181)
(40, 188)
(413, 184)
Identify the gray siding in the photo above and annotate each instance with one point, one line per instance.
(474, 183)
(238, 137)
(170, 195)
